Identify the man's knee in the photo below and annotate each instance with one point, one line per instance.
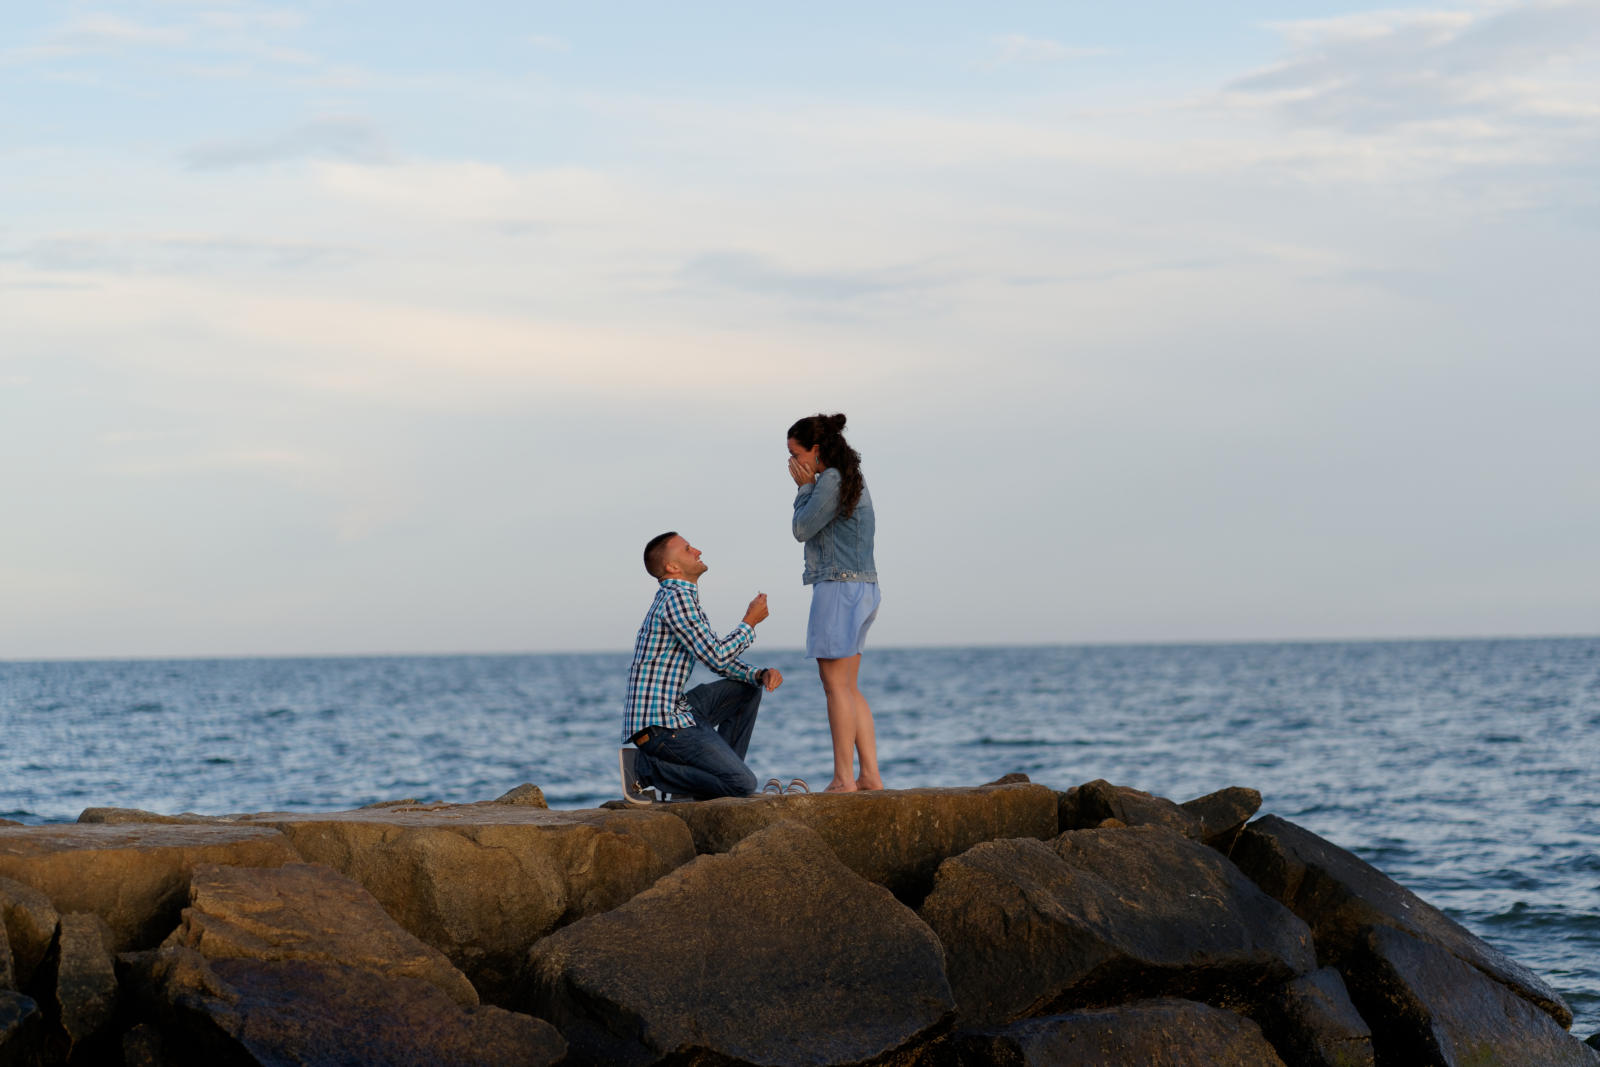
(740, 783)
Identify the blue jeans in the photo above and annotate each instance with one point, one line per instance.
(707, 759)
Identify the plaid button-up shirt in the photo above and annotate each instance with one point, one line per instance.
(674, 634)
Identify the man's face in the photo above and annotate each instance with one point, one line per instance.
(685, 557)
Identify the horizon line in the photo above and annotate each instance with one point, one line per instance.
(1171, 643)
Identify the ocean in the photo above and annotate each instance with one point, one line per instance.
(1466, 770)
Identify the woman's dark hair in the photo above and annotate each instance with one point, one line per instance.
(826, 434)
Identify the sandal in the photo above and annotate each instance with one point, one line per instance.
(798, 785)
(773, 786)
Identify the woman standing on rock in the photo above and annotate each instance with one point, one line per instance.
(833, 516)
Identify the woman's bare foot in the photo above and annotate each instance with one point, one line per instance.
(869, 783)
(840, 785)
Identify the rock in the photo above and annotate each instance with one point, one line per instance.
(1166, 1032)
(1067, 811)
(8, 970)
(895, 837)
(244, 1011)
(1340, 895)
(1314, 1024)
(135, 877)
(85, 982)
(526, 795)
(1102, 915)
(1429, 1008)
(1223, 815)
(1014, 778)
(11, 822)
(142, 1047)
(1099, 800)
(483, 882)
(136, 816)
(30, 926)
(303, 911)
(774, 953)
(21, 1030)
(1593, 1040)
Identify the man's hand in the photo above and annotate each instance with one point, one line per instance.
(756, 611)
(770, 677)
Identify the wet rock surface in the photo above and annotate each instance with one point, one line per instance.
(1095, 802)
(1166, 1032)
(341, 938)
(1314, 1024)
(1341, 896)
(21, 1030)
(1223, 815)
(136, 816)
(1104, 915)
(1429, 1009)
(30, 925)
(135, 877)
(773, 953)
(483, 882)
(894, 837)
(244, 1011)
(526, 795)
(85, 984)
(306, 912)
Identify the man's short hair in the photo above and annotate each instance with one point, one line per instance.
(655, 553)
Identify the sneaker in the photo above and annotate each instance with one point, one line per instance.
(633, 791)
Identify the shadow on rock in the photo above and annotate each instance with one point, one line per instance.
(774, 953)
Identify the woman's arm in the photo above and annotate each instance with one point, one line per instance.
(815, 505)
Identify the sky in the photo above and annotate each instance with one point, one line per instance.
(342, 328)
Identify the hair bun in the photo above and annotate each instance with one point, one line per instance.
(835, 422)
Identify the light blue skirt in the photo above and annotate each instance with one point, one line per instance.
(841, 614)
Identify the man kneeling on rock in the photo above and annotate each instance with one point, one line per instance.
(690, 743)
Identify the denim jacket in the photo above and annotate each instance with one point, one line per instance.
(837, 549)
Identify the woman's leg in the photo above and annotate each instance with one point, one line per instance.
(841, 724)
(866, 735)
(850, 723)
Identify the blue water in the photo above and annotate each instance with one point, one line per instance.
(1465, 769)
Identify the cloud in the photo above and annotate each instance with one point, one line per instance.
(350, 139)
(547, 43)
(1383, 71)
(202, 254)
(750, 273)
(1016, 49)
(469, 190)
(105, 32)
(204, 38)
(401, 356)
(253, 19)
(95, 34)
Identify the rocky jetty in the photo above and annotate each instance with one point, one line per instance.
(1001, 924)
